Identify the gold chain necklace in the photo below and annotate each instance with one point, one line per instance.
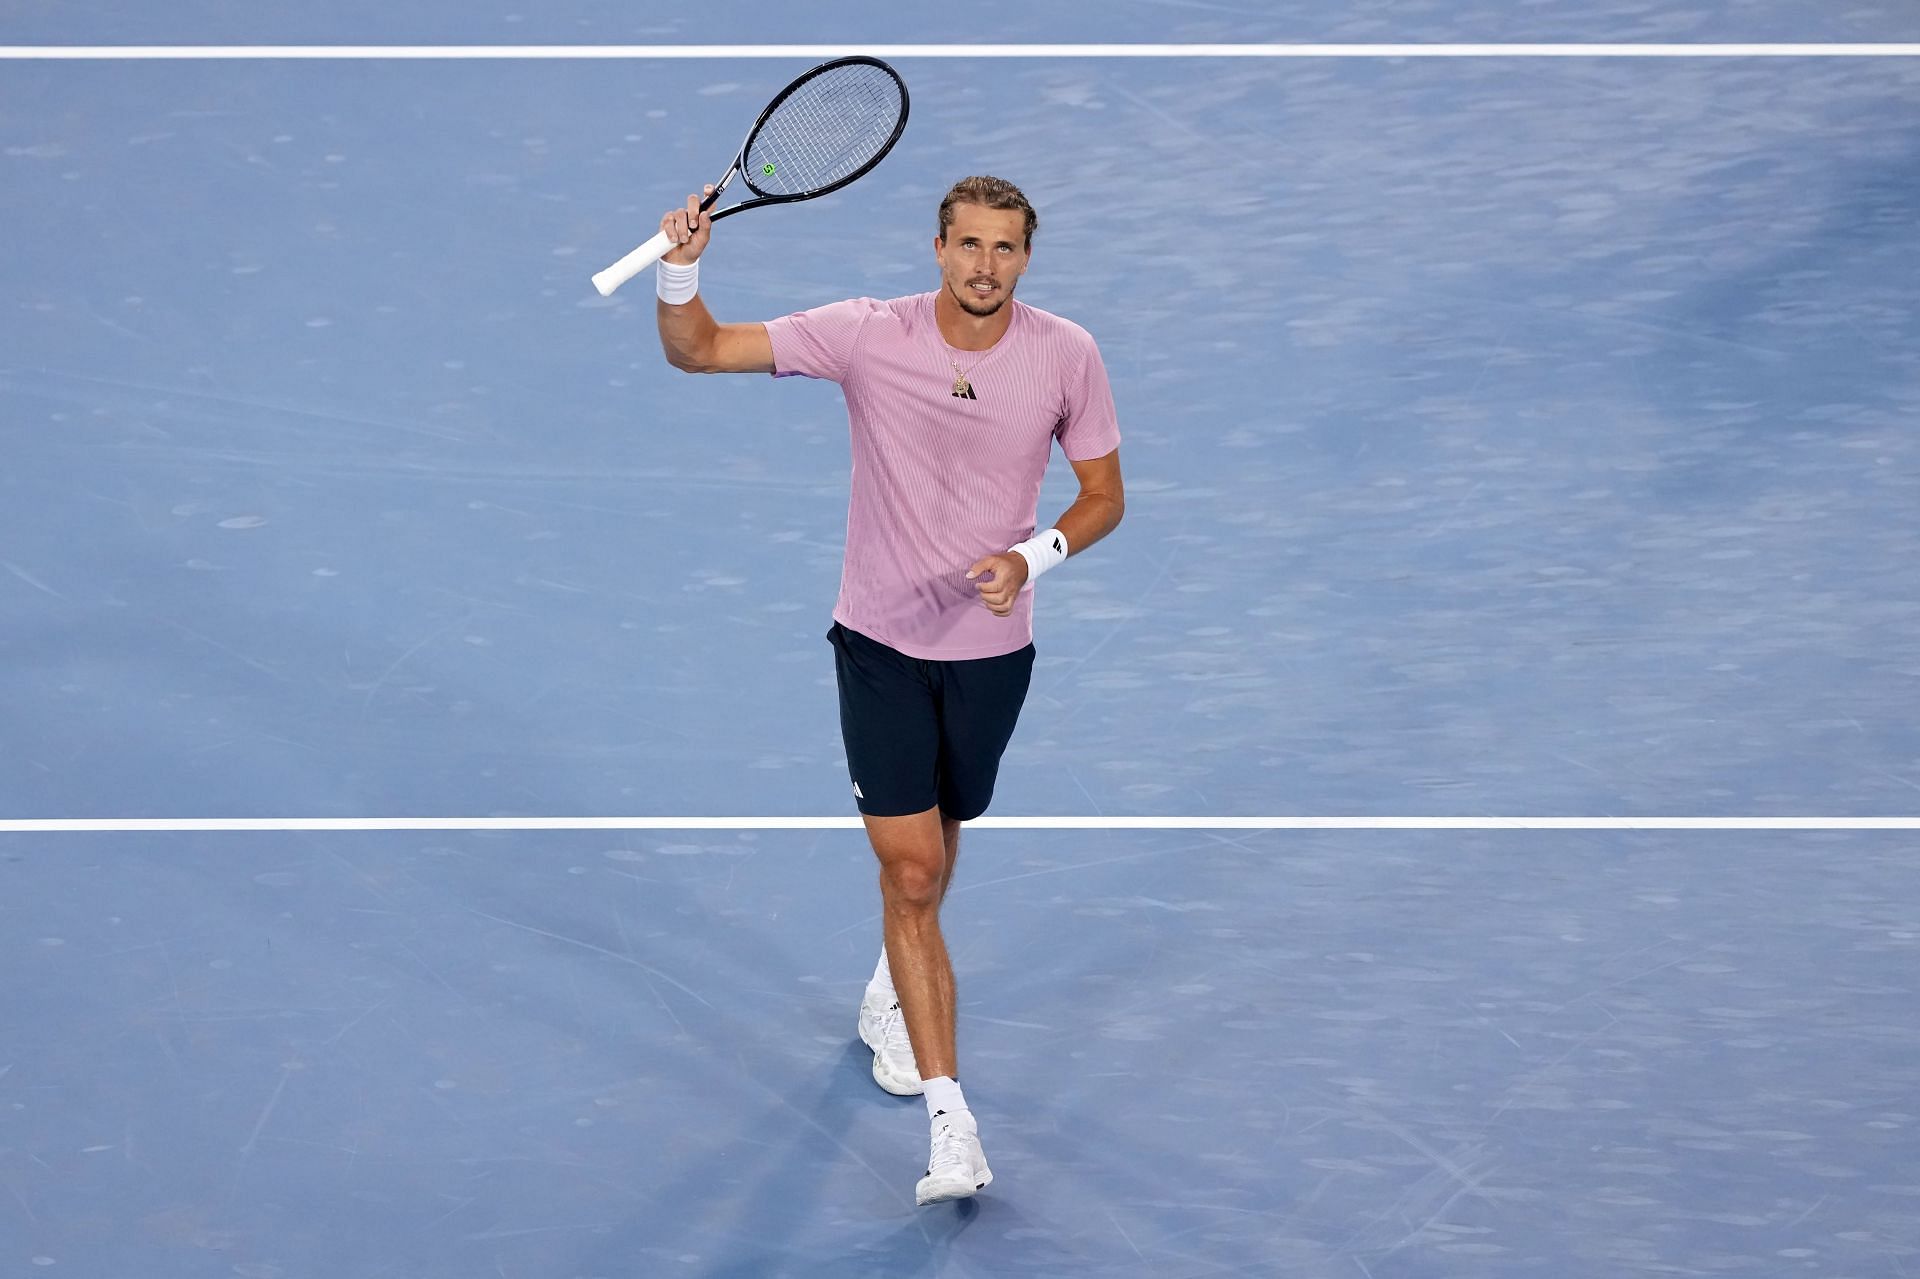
(962, 388)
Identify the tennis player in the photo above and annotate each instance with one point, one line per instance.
(955, 398)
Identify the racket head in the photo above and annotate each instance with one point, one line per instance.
(826, 129)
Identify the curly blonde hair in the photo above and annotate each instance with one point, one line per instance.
(991, 193)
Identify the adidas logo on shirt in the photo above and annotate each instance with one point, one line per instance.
(963, 390)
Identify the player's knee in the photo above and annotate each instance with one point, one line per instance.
(912, 883)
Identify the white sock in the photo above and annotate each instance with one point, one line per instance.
(943, 1096)
(882, 975)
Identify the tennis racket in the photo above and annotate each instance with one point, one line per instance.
(819, 133)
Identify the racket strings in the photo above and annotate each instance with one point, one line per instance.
(825, 130)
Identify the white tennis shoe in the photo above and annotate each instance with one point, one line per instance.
(883, 1028)
(956, 1167)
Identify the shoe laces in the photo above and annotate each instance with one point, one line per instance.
(893, 1031)
(949, 1148)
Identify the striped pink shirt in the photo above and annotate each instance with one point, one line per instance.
(940, 480)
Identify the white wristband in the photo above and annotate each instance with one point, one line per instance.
(1042, 551)
(677, 284)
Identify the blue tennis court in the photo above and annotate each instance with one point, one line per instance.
(1504, 436)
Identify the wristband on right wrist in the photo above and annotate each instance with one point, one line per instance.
(677, 283)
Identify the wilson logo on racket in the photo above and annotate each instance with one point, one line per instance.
(827, 128)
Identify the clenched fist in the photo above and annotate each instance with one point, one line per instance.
(999, 579)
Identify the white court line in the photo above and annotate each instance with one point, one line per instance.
(55, 825)
(528, 52)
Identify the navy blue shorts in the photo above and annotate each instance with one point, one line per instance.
(921, 734)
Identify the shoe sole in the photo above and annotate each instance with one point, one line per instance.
(887, 1082)
(949, 1191)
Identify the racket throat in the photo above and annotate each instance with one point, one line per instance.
(718, 188)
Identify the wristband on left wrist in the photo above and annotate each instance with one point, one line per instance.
(1042, 551)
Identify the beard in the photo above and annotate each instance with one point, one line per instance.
(976, 308)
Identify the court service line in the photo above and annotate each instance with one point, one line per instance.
(528, 52)
(63, 825)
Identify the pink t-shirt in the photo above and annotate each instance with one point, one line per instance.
(940, 480)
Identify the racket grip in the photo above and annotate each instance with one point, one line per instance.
(633, 264)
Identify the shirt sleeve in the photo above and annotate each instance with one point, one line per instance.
(1090, 427)
(822, 342)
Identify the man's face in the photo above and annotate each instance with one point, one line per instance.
(982, 257)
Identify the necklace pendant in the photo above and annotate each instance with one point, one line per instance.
(961, 387)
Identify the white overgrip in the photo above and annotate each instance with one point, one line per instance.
(631, 265)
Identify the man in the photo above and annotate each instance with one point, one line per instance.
(955, 398)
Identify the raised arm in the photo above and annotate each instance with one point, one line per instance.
(693, 341)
